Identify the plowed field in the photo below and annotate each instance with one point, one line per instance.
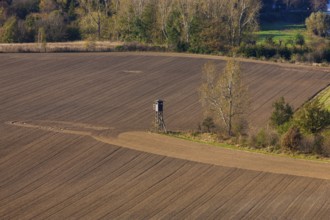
(61, 158)
(119, 89)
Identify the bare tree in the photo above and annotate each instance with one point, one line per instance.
(125, 14)
(224, 95)
(242, 18)
(54, 26)
(164, 12)
(187, 9)
(213, 8)
(96, 10)
(319, 5)
(139, 6)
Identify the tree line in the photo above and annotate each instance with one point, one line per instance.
(197, 25)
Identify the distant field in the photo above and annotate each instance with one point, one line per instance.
(281, 31)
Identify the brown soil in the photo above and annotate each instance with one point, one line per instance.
(118, 89)
(52, 175)
(62, 118)
(181, 149)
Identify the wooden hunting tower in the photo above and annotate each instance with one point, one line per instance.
(159, 116)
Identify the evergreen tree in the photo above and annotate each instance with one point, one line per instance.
(313, 117)
(71, 11)
(282, 113)
(149, 30)
(173, 29)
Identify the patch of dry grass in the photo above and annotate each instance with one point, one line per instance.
(77, 46)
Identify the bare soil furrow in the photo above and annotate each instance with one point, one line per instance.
(83, 191)
(210, 192)
(137, 198)
(32, 184)
(73, 142)
(114, 184)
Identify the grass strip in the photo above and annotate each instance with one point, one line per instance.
(267, 151)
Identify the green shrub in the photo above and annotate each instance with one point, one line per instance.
(318, 24)
(326, 146)
(267, 51)
(248, 50)
(318, 144)
(270, 40)
(281, 114)
(315, 144)
(73, 33)
(299, 39)
(208, 125)
(264, 138)
(313, 117)
(261, 139)
(285, 53)
(292, 139)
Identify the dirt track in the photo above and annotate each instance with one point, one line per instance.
(61, 176)
(181, 149)
(60, 165)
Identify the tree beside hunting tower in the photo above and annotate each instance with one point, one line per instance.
(224, 95)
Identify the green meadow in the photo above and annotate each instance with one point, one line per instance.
(280, 31)
(324, 97)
